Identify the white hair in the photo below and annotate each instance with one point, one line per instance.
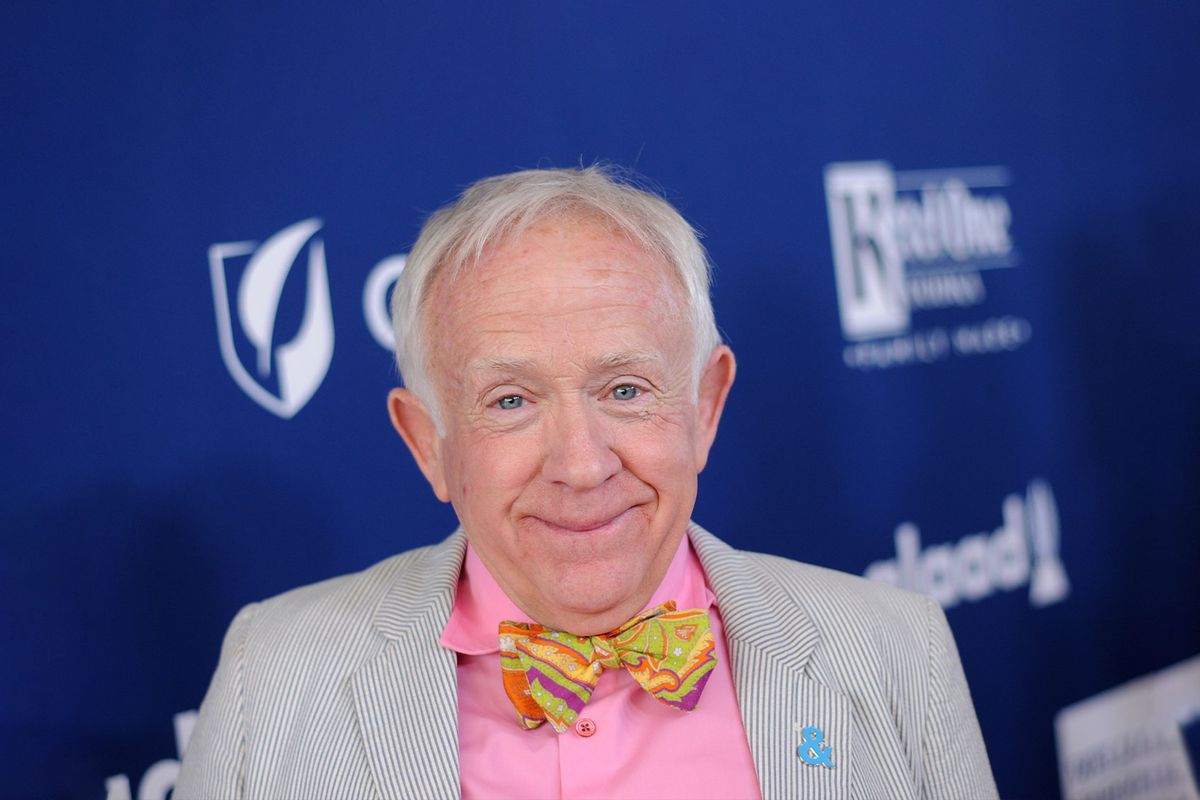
(454, 238)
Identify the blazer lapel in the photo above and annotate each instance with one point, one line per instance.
(406, 697)
(799, 730)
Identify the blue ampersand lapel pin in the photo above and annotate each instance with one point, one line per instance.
(812, 749)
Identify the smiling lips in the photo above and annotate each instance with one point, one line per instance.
(582, 525)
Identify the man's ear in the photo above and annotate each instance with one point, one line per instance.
(716, 379)
(414, 423)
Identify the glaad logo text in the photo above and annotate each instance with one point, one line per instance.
(912, 241)
(160, 779)
(1023, 550)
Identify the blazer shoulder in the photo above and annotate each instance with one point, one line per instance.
(858, 592)
(342, 594)
(855, 614)
(282, 694)
(342, 612)
(893, 653)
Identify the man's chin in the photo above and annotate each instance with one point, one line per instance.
(600, 610)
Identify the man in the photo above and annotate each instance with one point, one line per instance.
(578, 637)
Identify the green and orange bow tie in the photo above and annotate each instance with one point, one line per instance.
(549, 675)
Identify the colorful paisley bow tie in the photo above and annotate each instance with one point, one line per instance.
(549, 675)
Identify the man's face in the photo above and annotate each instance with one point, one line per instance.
(573, 439)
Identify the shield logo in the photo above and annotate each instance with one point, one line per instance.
(296, 367)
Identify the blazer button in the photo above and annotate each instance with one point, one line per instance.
(585, 727)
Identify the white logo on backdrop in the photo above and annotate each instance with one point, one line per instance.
(299, 365)
(162, 775)
(375, 299)
(905, 242)
(1023, 550)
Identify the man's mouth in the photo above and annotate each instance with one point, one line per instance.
(582, 525)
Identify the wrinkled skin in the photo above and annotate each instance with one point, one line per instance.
(573, 438)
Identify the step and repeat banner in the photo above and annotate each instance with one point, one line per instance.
(955, 253)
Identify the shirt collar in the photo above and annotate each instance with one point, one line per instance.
(480, 605)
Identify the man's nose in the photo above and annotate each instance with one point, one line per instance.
(578, 449)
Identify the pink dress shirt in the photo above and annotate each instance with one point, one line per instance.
(636, 746)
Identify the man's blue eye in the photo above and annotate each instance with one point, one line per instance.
(511, 401)
(625, 392)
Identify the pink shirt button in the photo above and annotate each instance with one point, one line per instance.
(585, 727)
(625, 762)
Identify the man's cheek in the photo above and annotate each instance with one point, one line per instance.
(491, 484)
(663, 443)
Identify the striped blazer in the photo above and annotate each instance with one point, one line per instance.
(316, 692)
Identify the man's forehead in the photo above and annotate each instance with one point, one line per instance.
(557, 300)
(612, 360)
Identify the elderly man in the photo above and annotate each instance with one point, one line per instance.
(578, 637)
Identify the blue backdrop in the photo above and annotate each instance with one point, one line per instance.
(955, 250)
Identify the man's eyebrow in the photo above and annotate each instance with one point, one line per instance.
(499, 364)
(626, 359)
(608, 361)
